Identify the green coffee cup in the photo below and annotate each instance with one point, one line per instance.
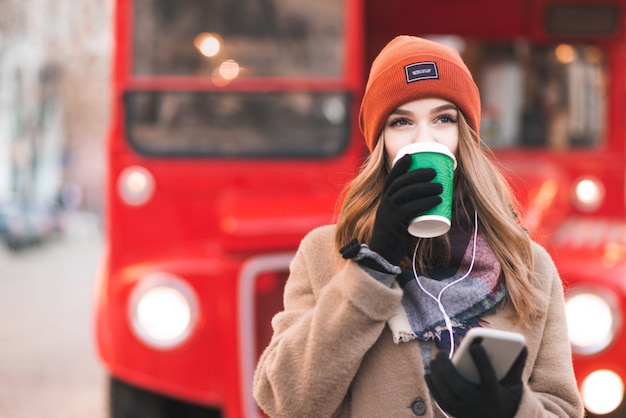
(436, 221)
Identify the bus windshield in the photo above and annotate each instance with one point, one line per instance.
(549, 96)
(224, 40)
(259, 38)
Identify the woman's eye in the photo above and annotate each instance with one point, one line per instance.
(399, 122)
(446, 119)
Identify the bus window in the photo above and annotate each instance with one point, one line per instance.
(546, 96)
(268, 38)
(238, 124)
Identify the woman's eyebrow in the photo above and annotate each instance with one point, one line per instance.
(448, 106)
(400, 111)
(442, 108)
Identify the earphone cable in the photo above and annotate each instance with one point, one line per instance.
(437, 299)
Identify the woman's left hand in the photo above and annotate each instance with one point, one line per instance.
(464, 399)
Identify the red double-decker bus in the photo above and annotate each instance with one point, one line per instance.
(234, 127)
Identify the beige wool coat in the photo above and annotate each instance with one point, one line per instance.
(332, 353)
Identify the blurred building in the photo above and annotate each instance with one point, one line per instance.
(54, 100)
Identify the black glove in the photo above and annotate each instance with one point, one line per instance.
(489, 399)
(405, 196)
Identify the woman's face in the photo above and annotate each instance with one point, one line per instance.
(422, 120)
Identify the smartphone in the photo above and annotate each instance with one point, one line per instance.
(502, 347)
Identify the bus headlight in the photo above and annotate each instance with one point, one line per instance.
(163, 310)
(602, 392)
(591, 320)
(588, 194)
(135, 185)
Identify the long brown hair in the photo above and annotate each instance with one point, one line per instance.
(477, 182)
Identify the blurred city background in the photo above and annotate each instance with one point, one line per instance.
(54, 107)
(268, 92)
(54, 110)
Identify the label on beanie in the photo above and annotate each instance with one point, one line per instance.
(421, 71)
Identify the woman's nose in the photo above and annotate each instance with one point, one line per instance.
(423, 134)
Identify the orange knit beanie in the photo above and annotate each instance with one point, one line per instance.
(411, 68)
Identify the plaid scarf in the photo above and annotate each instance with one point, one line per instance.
(464, 302)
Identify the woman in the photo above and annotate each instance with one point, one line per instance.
(373, 314)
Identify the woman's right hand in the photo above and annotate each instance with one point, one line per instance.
(405, 196)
